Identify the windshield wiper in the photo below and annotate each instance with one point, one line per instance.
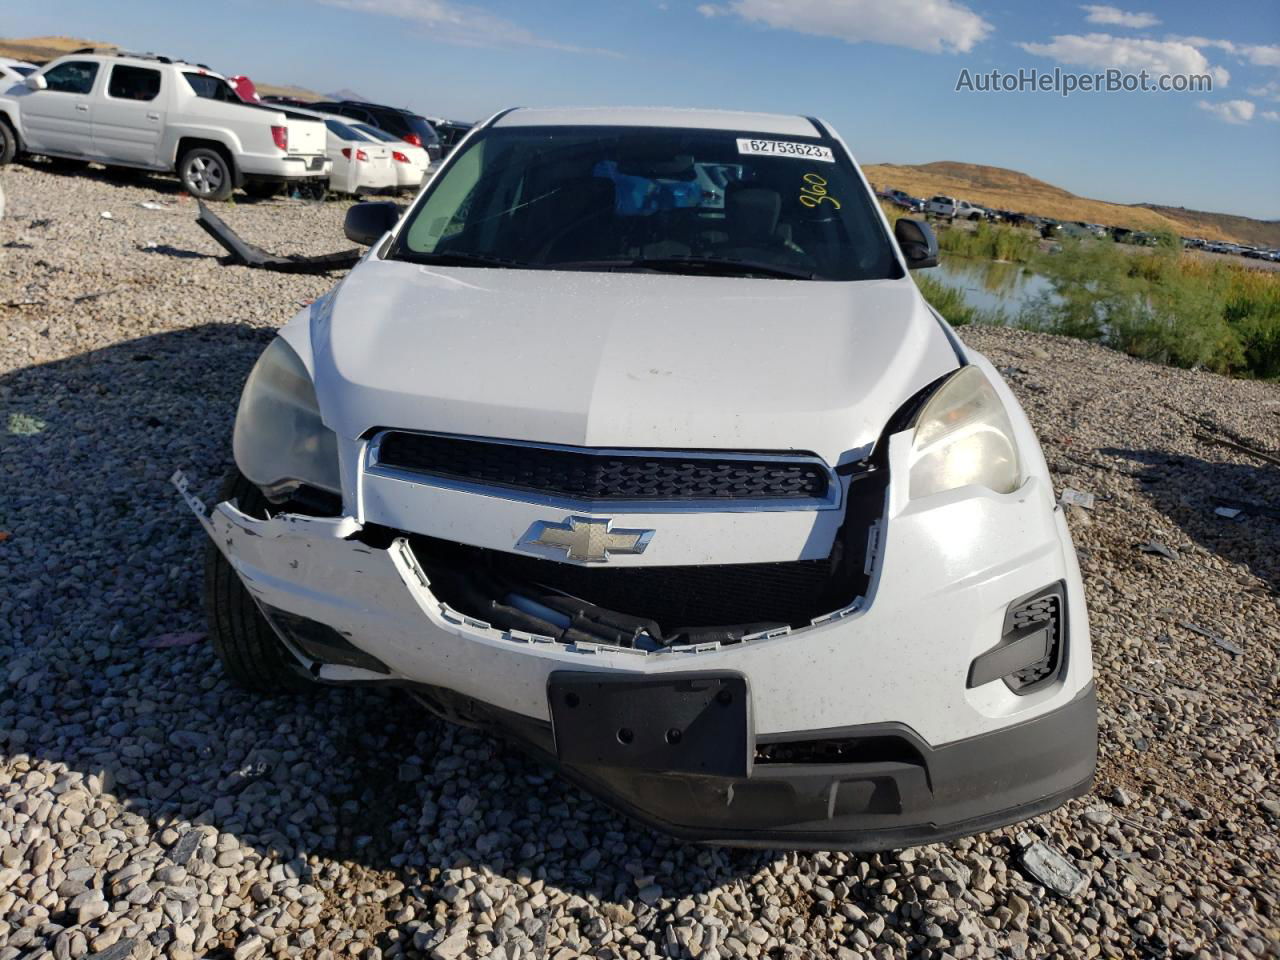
(465, 260)
(723, 266)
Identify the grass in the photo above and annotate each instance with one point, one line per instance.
(1162, 305)
(987, 241)
(990, 242)
(951, 303)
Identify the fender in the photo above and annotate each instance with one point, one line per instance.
(176, 133)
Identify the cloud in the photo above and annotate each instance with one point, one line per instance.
(1270, 115)
(1232, 111)
(1268, 91)
(1114, 16)
(460, 23)
(1258, 54)
(1102, 50)
(934, 26)
(1262, 55)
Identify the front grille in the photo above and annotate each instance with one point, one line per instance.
(604, 475)
(1043, 608)
(675, 598)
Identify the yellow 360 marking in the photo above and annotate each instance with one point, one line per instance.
(814, 192)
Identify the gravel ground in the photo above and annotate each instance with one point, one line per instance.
(148, 808)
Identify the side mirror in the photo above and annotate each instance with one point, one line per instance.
(36, 81)
(919, 245)
(367, 222)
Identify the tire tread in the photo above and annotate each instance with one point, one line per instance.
(251, 653)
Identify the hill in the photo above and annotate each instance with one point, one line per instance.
(1244, 229)
(1012, 190)
(40, 49)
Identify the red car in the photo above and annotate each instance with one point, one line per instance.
(244, 88)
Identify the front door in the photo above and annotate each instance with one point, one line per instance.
(59, 118)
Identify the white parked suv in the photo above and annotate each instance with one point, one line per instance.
(154, 113)
(696, 497)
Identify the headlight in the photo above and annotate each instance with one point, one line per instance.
(963, 436)
(280, 441)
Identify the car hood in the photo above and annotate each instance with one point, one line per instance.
(623, 359)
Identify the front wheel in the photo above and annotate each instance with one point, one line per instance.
(251, 653)
(206, 173)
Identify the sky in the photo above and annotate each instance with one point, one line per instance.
(882, 72)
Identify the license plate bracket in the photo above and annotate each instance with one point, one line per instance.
(689, 723)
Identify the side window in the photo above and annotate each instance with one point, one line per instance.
(133, 83)
(211, 88)
(74, 76)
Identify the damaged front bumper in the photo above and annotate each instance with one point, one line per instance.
(857, 732)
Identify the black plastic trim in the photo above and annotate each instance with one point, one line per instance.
(499, 115)
(960, 788)
(320, 642)
(821, 128)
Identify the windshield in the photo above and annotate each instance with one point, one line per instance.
(650, 198)
(375, 133)
(424, 130)
(344, 132)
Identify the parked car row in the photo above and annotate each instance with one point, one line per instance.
(1251, 251)
(216, 133)
(154, 113)
(951, 208)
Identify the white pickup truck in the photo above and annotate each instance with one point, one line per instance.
(156, 113)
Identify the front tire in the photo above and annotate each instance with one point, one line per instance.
(8, 143)
(251, 653)
(205, 173)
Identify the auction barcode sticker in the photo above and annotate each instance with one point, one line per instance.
(786, 148)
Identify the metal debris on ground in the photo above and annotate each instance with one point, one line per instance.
(1238, 446)
(251, 256)
(1208, 634)
(1229, 512)
(1049, 868)
(86, 297)
(1076, 498)
(1152, 546)
(1217, 638)
(1249, 507)
(151, 205)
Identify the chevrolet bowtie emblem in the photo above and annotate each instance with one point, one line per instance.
(585, 539)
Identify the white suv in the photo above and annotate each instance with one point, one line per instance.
(694, 495)
(155, 113)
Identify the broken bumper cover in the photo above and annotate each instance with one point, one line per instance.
(953, 790)
(891, 671)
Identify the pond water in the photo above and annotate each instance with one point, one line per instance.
(992, 284)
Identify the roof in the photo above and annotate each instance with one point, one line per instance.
(771, 123)
(111, 53)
